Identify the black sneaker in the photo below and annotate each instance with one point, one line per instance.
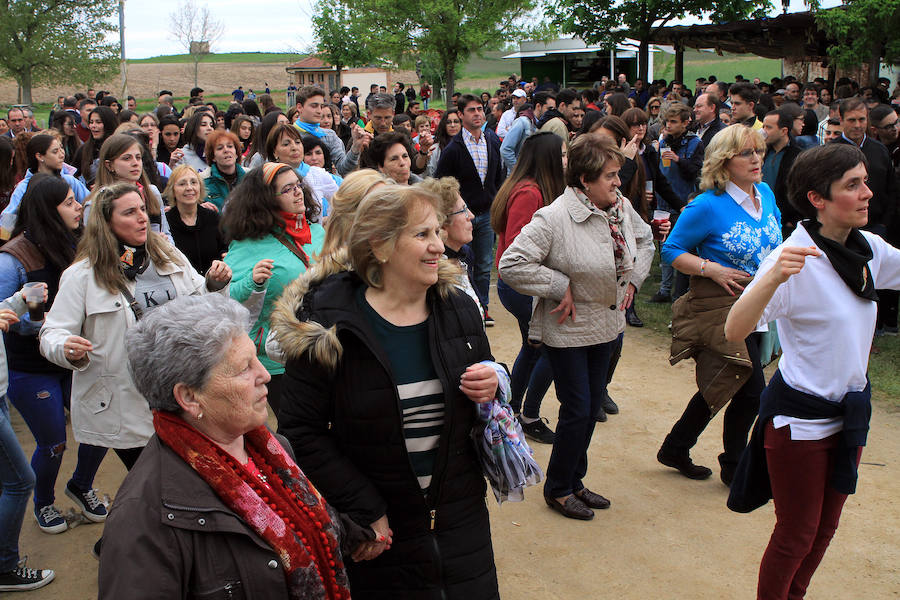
(660, 298)
(488, 320)
(538, 431)
(91, 506)
(49, 519)
(23, 579)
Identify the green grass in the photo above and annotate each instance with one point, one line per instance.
(226, 57)
(882, 364)
(703, 64)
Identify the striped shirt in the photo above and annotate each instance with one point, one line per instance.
(418, 387)
(478, 150)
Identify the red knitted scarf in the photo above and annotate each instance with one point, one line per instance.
(278, 503)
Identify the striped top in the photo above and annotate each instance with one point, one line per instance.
(420, 391)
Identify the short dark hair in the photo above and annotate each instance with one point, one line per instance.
(880, 112)
(809, 86)
(566, 96)
(850, 104)
(746, 91)
(85, 101)
(307, 92)
(587, 156)
(377, 151)
(465, 99)
(785, 120)
(816, 169)
(542, 97)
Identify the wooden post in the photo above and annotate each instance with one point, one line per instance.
(679, 61)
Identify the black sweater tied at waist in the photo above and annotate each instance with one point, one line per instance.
(751, 487)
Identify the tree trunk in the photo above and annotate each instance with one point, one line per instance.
(875, 64)
(450, 81)
(196, 72)
(337, 77)
(25, 83)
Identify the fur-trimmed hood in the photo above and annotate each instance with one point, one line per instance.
(299, 323)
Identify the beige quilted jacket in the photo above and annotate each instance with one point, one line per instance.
(567, 244)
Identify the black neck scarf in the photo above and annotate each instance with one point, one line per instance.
(133, 260)
(850, 260)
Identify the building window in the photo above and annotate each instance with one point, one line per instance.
(321, 78)
(300, 78)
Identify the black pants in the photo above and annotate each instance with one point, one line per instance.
(739, 415)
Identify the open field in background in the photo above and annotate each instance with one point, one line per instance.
(228, 57)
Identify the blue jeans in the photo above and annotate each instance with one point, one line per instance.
(482, 246)
(531, 370)
(17, 479)
(40, 398)
(580, 377)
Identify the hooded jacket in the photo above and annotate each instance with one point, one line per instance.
(341, 413)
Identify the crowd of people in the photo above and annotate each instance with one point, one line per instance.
(170, 278)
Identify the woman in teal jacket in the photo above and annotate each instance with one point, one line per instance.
(224, 172)
(273, 240)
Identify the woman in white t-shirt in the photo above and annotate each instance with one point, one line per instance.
(814, 415)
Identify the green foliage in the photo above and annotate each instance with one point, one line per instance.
(340, 35)
(436, 35)
(609, 23)
(867, 30)
(57, 41)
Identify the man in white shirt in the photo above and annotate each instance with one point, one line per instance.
(506, 120)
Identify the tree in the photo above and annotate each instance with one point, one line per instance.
(447, 30)
(339, 36)
(866, 30)
(608, 24)
(196, 29)
(57, 42)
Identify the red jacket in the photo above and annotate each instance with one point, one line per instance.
(524, 200)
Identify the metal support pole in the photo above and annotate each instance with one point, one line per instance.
(123, 67)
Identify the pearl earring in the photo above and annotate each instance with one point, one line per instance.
(199, 415)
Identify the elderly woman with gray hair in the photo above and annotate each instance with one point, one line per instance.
(239, 518)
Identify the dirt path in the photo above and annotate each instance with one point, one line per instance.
(664, 537)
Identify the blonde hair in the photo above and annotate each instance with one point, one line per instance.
(177, 173)
(380, 220)
(722, 148)
(100, 246)
(447, 189)
(344, 203)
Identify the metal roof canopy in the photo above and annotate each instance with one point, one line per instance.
(626, 49)
(787, 35)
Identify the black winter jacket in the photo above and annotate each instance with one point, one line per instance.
(341, 413)
(456, 161)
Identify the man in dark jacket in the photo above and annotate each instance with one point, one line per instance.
(883, 205)
(473, 157)
(780, 154)
(706, 115)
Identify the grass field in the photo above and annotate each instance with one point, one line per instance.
(703, 64)
(228, 57)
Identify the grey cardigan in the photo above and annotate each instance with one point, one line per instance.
(566, 244)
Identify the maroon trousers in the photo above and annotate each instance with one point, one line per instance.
(807, 511)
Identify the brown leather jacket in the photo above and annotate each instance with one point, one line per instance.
(169, 536)
(698, 332)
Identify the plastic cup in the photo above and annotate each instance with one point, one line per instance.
(33, 294)
(659, 217)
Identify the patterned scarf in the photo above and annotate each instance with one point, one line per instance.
(278, 503)
(311, 128)
(615, 214)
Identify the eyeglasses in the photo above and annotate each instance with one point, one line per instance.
(464, 210)
(750, 153)
(296, 187)
(890, 126)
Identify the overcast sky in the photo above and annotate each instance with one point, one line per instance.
(268, 26)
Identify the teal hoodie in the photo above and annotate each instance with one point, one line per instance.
(217, 189)
(243, 255)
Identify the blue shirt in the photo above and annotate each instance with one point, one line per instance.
(715, 227)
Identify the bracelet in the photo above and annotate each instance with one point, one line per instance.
(703, 266)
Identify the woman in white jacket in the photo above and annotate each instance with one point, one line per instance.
(584, 257)
(121, 271)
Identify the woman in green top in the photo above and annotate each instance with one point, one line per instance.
(273, 239)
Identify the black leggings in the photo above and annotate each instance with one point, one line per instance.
(739, 415)
(128, 456)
